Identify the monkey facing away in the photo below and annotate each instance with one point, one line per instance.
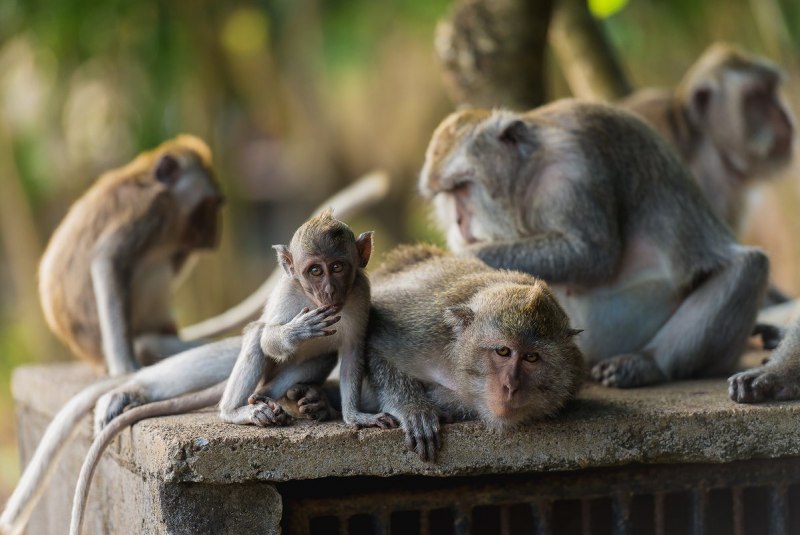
(196, 369)
(450, 337)
(590, 199)
(106, 276)
(728, 121)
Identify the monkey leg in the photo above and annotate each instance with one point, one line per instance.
(706, 335)
(778, 379)
(301, 383)
(404, 398)
(195, 369)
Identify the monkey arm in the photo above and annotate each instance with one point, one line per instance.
(351, 378)
(404, 398)
(111, 270)
(557, 257)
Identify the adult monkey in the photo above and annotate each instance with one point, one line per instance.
(590, 199)
(64, 427)
(727, 120)
(450, 337)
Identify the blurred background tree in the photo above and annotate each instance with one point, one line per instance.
(296, 98)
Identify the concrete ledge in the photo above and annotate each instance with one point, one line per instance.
(691, 421)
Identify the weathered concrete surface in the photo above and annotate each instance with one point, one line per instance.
(181, 465)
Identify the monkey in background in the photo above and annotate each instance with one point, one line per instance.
(728, 122)
(620, 231)
(451, 338)
(105, 278)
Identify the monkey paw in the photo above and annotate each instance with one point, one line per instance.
(310, 324)
(627, 371)
(265, 412)
(363, 419)
(312, 402)
(114, 403)
(763, 384)
(423, 434)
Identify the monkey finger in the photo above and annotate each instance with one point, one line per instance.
(410, 440)
(386, 421)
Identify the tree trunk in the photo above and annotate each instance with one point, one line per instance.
(492, 52)
(587, 60)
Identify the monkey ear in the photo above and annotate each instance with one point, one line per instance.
(285, 259)
(364, 247)
(167, 169)
(518, 135)
(699, 99)
(459, 317)
(573, 332)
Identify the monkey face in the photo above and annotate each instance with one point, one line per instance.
(326, 280)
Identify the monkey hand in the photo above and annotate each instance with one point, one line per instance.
(309, 324)
(312, 402)
(364, 419)
(765, 383)
(422, 431)
(264, 412)
(114, 403)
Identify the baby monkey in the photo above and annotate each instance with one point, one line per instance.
(451, 337)
(106, 276)
(324, 285)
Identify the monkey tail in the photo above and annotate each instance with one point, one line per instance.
(186, 403)
(363, 193)
(40, 469)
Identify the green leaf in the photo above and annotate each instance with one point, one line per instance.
(605, 8)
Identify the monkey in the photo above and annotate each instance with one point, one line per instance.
(731, 126)
(728, 121)
(197, 368)
(778, 379)
(449, 337)
(105, 276)
(590, 199)
(324, 280)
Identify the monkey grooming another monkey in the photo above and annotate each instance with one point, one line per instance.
(728, 121)
(593, 201)
(195, 369)
(450, 337)
(106, 276)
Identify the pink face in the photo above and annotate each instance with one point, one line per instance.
(512, 368)
(326, 280)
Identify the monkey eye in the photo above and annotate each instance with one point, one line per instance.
(337, 267)
(315, 271)
(532, 357)
(503, 351)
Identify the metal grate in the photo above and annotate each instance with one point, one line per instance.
(742, 498)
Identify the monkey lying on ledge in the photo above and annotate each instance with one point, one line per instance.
(593, 201)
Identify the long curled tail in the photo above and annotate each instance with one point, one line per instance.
(37, 474)
(186, 403)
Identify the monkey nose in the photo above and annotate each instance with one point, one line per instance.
(510, 388)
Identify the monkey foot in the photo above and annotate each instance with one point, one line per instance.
(265, 412)
(362, 419)
(627, 371)
(423, 434)
(114, 403)
(763, 384)
(312, 402)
